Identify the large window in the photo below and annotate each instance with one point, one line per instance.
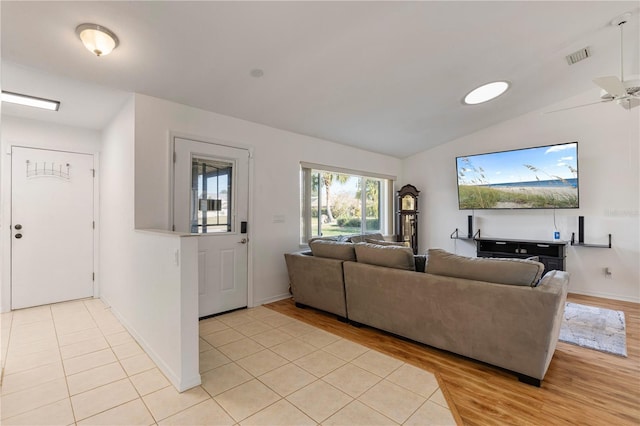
(342, 202)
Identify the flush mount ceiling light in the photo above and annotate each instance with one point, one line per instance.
(97, 39)
(17, 98)
(486, 92)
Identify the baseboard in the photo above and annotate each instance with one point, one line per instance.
(606, 296)
(189, 383)
(274, 299)
(181, 385)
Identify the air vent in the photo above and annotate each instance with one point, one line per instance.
(579, 55)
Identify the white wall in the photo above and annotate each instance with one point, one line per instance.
(34, 134)
(276, 183)
(116, 203)
(608, 144)
(149, 279)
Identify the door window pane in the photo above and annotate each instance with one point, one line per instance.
(211, 203)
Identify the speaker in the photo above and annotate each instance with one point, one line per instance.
(470, 226)
(580, 229)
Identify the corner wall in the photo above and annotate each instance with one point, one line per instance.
(609, 162)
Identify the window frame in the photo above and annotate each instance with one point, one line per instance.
(386, 212)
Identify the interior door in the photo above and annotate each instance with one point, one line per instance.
(211, 192)
(51, 226)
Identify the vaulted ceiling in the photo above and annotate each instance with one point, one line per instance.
(383, 76)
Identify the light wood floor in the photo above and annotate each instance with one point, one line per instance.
(581, 387)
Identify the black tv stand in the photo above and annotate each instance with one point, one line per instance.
(551, 253)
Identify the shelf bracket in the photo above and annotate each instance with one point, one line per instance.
(578, 243)
(454, 235)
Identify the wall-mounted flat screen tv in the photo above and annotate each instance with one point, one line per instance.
(544, 177)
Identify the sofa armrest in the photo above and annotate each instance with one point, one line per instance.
(317, 282)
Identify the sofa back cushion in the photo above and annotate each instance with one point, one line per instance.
(389, 256)
(501, 271)
(333, 249)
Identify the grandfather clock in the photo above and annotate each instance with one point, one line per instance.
(408, 216)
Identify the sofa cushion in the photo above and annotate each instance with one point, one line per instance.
(332, 249)
(362, 238)
(494, 270)
(389, 256)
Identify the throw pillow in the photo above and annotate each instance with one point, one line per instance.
(333, 250)
(389, 256)
(420, 261)
(362, 238)
(332, 238)
(545, 279)
(494, 270)
(387, 243)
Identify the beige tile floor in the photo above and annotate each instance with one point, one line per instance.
(74, 363)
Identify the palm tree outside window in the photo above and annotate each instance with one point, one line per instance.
(336, 202)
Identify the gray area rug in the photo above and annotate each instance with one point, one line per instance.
(595, 328)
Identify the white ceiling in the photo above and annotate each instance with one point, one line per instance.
(384, 76)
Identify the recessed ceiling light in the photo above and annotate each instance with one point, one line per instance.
(486, 92)
(97, 39)
(17, 98)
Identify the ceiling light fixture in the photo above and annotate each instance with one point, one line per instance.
(486, 92)
(97, 39)
(32, 101)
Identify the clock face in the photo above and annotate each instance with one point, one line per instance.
(408, 203)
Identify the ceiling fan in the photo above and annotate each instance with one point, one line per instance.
(624, 93)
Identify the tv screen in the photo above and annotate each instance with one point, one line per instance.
(544, 177)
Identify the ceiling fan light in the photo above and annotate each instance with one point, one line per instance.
(486, 92)
(97, 39)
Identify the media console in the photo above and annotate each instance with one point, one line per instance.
(551, 253)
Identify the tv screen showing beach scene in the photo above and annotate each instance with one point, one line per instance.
(544, 177)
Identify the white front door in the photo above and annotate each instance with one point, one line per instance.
(211, 194)
(51, 226)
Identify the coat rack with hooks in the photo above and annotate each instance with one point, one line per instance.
(48, 169)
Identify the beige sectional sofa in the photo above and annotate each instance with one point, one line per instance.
(498, 311)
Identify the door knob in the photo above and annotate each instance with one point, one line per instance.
(243, 241)
(18, 227)
(18, 236)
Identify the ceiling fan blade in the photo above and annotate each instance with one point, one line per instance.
(611, 85)
(578, 106)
